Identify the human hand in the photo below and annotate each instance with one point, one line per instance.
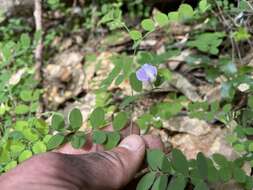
(90, 168)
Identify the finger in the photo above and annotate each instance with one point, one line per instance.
(114, 169)
(153, 142)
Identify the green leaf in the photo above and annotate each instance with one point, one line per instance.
(146, 181)
(239, 147)
(113, 139)
(39, 147)
(135, 35)
(166, 74)
(41, 126)
(78, 140)
(155, 158)
(7, 51)
(148, 25)
(55, 141)
(16, 135)
(120, 121)
(160, 183)
(3, 109)
(135, 83)
(57, 122)
(201, 186)
(30, 135)
(107, 17)
(249, 183)
(144, 57)
(208, 42)
(241, 34)
(10, 166)
(113, 74)
(202, 165)
(25, 155)
(47, 138)
(227, 90)
(26, 95)
(227, 66)
(119, 80)
(22, 109)
(20, 125)
(225, 173)
(168, 109)
(144, 121)
(250, 102)
(177, 183)
(128, 100)
(75, 119)
(97, 118)
(185, 12)
(250, 148)
(5, 156)
(204, 6)
(239, 175)
(17, 148)
(99, 137)
(166, 166)
(194, 175)
(213, 176)
(161, 19)
(25, 41)
(179, 162)
(232, 138)
(173, 16)
(221, 160)
(34, 106)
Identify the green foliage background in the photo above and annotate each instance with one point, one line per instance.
(23, 134)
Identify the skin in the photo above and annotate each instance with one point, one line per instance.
(90, 168)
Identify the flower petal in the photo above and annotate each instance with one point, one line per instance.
(146, 73)
(142, 75)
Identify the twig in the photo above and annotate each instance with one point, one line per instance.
(39, 48)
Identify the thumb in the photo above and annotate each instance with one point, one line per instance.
(114, 169)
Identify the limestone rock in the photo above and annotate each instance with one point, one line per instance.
(17, 7)
(63, 77)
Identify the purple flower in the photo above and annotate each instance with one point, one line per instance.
(147, 73)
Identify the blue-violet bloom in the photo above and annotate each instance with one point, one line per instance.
(147, 73)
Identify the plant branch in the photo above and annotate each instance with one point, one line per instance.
(39, 47)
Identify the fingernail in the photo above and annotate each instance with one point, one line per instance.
(132, 143)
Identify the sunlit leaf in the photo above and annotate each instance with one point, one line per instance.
(135, 83)
(57, 122)
(39, 147)
(97, 118)
(135, 35)
(146, 181)
(78, 140)
(25, 155)
(177, 183)
(99, 137)
(120, 121)
(160, 183)
(179, 162)
(185, 12)
(55, 141)
(161, 19)
(75, 119)
(202, 165)
(148, 25)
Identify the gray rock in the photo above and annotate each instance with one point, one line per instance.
(16, 7)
